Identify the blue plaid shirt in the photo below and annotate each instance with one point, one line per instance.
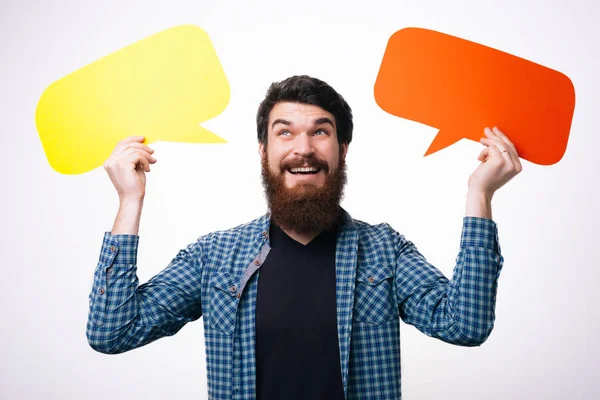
(380, 276)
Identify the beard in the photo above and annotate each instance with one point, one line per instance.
(305, 208)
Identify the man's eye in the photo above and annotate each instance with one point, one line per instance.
(284, 133)
(321, 132)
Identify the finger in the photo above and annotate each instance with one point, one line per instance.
(502, 136)
(495, 154)
(137, 160)
(488, 132)
(492, 135)
(121, 145)
(513, 150)
(136, 156)
(143, 164)
(500, 146)
(143, 152)
(130, 156)
(495, 142)
(136, 138)
(517, 163)
(484, 154)
(138, 146)
(130, 139)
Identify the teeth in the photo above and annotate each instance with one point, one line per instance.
(304, 169)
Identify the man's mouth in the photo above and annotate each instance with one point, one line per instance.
(304, 170)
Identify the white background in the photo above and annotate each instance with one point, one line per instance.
(545, 344)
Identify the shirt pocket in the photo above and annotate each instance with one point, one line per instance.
(223, 302)
(374, 299)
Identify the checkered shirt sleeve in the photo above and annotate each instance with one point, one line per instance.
(124, 315)
(460, 311)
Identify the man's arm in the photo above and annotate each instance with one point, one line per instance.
(460, 311)
(124, 315)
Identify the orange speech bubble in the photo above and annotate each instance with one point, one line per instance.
(461, 87)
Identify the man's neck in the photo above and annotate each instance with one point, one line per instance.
(303, 238)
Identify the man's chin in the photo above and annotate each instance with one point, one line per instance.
(292, 182)
(297, 185)
(301, 191)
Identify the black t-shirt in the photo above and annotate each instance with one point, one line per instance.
(297, 350)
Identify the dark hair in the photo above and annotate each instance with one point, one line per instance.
(307, 90)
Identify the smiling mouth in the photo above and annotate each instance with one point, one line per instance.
(304, 170)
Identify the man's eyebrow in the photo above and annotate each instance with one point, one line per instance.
(324, 120)
(281, 121)
(319, 121)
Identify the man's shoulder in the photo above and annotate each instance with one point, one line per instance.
(377, 245)
(245, 231)
(378, 231)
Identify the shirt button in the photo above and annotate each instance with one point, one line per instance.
(113, 248)
(371, 279)
(232, 288)
(265, 234)
(238, 295)
(101, 290)
(256, 262)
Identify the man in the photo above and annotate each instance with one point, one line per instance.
(303, 302)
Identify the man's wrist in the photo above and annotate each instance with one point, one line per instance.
(131, 201)
(479, 204)
(128, 216)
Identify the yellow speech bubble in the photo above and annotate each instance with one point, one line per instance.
(161, 87)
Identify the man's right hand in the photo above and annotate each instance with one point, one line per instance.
(127, 167)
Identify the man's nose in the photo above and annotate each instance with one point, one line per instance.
(303, 145)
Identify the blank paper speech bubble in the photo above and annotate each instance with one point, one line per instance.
(161, 87)
(460, 87)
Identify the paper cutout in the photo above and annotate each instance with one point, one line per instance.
(161, 87)
(461, 87)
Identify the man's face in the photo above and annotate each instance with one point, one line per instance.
(303, 167)
(302, 145)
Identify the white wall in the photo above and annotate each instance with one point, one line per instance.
(545, 344)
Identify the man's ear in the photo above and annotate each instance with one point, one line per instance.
(261, 150)
(344, 150)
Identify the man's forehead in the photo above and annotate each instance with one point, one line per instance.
(298, 113)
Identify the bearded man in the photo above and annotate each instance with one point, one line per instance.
(303, 302)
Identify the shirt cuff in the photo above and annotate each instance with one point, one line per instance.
(480, 232)
(119, 249)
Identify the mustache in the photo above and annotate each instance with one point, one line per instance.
(305, 162)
